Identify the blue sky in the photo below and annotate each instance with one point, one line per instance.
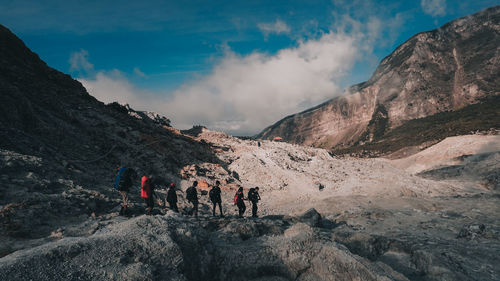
(236, 66)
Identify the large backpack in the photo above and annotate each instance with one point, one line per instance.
(211, 194)
(171, 196)
(251, 194)
(119, 178)
(191, 194)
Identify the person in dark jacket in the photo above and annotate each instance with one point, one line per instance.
(215, 197)
(239, 202)
(124, 185)
(192, 196)
(172, 198)
(254, 197)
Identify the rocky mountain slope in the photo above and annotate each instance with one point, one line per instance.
(59, 146)
(440, 71)
(373, 219)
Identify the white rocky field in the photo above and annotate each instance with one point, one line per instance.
(431, 216)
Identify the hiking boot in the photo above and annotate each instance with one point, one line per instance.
(123, 210)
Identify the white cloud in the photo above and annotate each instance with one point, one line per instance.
(111, 86)
(138, 72)
(244, 94)
(434, 7)
(277, 27)
(79, 61)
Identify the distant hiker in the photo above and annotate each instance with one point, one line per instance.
(258, 143)
(214, 195)
(172, 198)
(123, 182)
(147, 192)
(238, 201)
(192, 196)
(254, 197)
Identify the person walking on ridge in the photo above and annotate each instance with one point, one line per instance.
(238, 201)
(123, 183)
(192, 196)
(254, 197)
(147, 192)
(172, 198)
(215, 197)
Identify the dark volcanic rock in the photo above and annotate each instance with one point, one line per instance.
(472, 231)
(311, 217)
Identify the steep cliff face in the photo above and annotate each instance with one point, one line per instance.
(437, 71)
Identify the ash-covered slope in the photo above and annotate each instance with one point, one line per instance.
(433, 72)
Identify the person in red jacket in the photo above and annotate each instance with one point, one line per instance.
(238, 201)
(147, 192)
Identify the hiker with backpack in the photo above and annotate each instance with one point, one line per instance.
(238, 201)
(192, 196)
(147, 192)
(254, 197)
(123, 183)
(215, 197)
(172, 198)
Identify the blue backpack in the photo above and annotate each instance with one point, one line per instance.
(117, 180)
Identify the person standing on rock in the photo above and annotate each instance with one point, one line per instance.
(238, 201)
(147, 192)
(254, 197)
(123, 183)
(192, 196)
(215, 197)
(172, 198)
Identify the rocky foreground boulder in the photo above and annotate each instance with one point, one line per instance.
(173, 247)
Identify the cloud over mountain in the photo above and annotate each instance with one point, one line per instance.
(434, 7)
(80, 61)
(243, 94)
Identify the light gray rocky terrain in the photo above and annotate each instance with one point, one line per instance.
(173, 247)
(375, 222)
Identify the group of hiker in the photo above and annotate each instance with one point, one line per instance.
(124, 181)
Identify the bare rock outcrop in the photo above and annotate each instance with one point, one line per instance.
(175, 248)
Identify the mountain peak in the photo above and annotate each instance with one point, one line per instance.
(437, 71)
